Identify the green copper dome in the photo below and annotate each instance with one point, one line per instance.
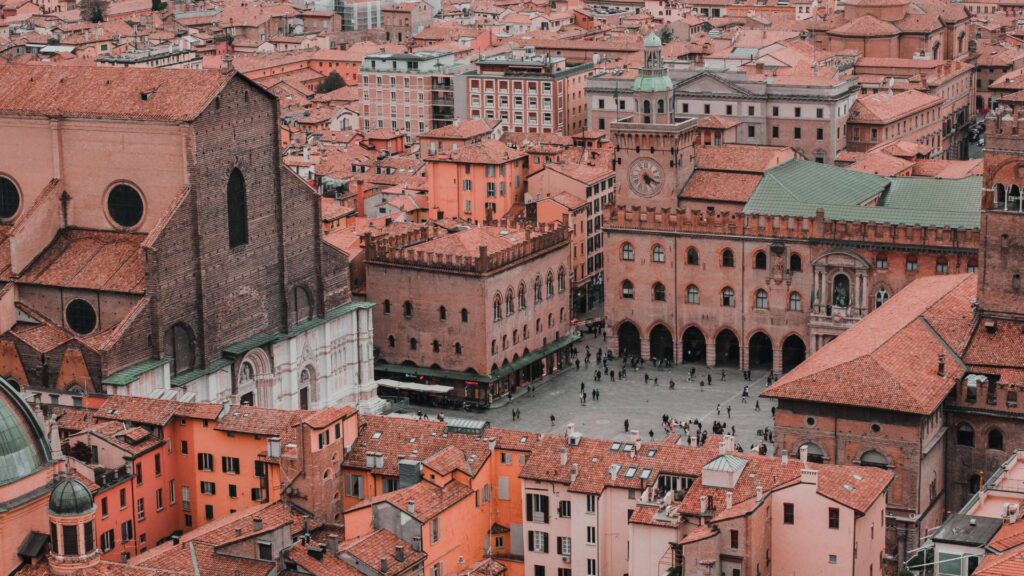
(652, 41)
(23, 445)
(70, 498)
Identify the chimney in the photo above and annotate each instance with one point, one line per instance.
(785, 457)
(759, 493)
(399, 553)
(569, 429)
(383, 565)
(410, 507)
(634, 437)
(942, 364)
(257, 524)
(809, 476)
(227, 65)
(728, 500)
(332, 544)
(574, 472)
(803, 454)
(613, 472)
(563, 456)
(721, 447)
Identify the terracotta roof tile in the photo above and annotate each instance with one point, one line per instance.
(152, 411)
(174, 95)
(93, 260)
(428, 499)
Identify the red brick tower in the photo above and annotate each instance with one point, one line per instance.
(1002, 215)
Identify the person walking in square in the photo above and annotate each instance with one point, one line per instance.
(625, 424)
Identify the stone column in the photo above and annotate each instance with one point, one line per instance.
(645, 348)
(777, 359)
(709, 354)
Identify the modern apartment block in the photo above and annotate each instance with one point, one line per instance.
(530, 92)
(410, 92)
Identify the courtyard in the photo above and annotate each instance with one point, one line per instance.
(643, 404)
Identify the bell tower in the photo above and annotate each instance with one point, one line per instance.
(1002, 213)
(654, 152)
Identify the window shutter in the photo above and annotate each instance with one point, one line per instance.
(529, 507)
(529, 540)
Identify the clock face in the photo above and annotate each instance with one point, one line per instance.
(646, 177)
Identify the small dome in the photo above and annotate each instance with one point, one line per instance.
(70, 498)
(652, 41)
(23, 445)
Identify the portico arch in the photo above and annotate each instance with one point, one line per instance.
(694, 345)
(254, 379)
(759, 351)
(661, 343)
(629, 339)
(727, 349)
(794, 351)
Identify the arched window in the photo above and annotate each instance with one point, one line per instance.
(561, 280)
(692, 294)
(522, 296)
(728, 260)
(1000, 197)
(391, 341)
(436, 346)
(841, 291)
(497, 307)
(465, 315)
(515, 336)
(881, 296)
(965, 434)
(442, 313)
(795, 263)
(760, 260)
(795, 304)
(551, 320)
(974, 484)
(1011, 398)
(494, 346)
(874, 458)
(941, 265)
(661, 106)
(627, 251)
(728, 297)
(1013, 199)
(81, 316)
(658, 254)
(972, 264)
(882, 262)
(551, 285)
(387, 306)
(458, 348)
(300, 304)
(540, 325)
(692, 258)
(995, 439)
(912, 263)
(814, 453)
(407, 309)
(659, 291)
(538, 290)
(413, 343)
(627, 289)
(510, 303)
(179, 344)
(761, 300)
(561, 316)
(238, 211)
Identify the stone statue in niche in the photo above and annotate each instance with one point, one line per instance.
(841, 291)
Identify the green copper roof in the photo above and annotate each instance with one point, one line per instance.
(801, 187)
(652, 41)
(70, 498)
(23, 445)
(652, 84)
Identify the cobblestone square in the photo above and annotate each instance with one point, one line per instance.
(642, 404)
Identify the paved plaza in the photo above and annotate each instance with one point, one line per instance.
(642, 404)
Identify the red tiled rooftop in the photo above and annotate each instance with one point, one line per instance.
(92, 260)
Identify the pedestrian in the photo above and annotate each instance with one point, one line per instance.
(709, 378)
(582, 386)
(613, 376)
(671, 384)
(597, 394)
(647, 378)
(552, 419)
(655, 380)
(583, 398)
(651, 433)
(728, 411)
(773, 411)
(577, 363)
(513, 414)
(733, 429)
(757, 406)
(702, 385)
(723, 374)
(593, 394)
(718, 409)
(625, 424)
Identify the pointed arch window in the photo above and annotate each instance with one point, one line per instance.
(238, 211)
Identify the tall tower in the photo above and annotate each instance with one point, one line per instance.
(1002, 213)
(654, 153)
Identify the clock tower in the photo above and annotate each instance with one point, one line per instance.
(653, 152)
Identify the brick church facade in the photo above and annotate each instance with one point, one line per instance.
(928, 385)
(740, 255)
(153, 242)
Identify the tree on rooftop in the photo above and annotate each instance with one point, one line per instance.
(331, 83)
(93, 10)
(666, 35)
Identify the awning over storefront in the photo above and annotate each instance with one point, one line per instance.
(414, 386)
(471, 377)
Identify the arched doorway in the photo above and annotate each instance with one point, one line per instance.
(760, 351)
(694, 345)
(661, 343)
(727, 349)
(793, 352)
(629, 340)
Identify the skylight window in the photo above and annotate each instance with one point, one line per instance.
(631, 471)
(376, 435)
(616, 446)
(645, 474)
